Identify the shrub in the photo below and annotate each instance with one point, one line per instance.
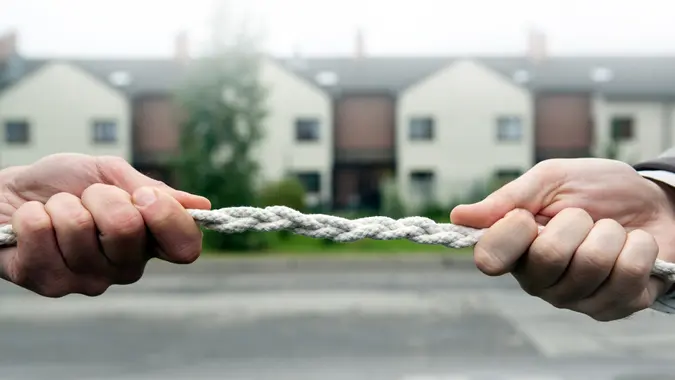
(392, 204)
(435, 211)
(287, 192)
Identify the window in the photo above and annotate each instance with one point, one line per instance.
(17, 132)
(421, 128)
(104, 131)
(422, 183)
(311, 181)
(622, 128)
(307, 129)
(509, 128)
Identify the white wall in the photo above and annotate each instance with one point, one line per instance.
(648, 128)
(60, 101)
(290, 97)
(465, 99)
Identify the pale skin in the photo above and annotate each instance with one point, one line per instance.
(86, 223)
(605, 225)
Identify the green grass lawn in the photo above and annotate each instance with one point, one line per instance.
(300, 245)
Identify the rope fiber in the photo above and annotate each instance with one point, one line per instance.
(277, 218)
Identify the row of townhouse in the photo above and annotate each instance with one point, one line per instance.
(433, 125)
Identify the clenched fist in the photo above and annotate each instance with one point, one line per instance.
(604, 227)
(84, 223)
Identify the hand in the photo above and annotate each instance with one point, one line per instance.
(605, 225)
(84, 223)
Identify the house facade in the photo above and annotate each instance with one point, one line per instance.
(297, 132)
(58, 107)
(641, 128)
(345, 126)
(462, 123)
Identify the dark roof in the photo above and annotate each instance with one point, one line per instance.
(630, 76)
(146, 76)
(385, 74)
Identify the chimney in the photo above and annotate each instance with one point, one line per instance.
(182, 48)
(537, 49)
(8, 45)
(359, 48)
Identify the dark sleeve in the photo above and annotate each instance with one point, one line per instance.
(666, 163)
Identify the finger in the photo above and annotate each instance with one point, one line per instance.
(76, 235)
(531, 191)
(591, 264)
(551, 252)
(118, 172)
(37, 264)
(173, 228)
(122, 231)
(628, 288)
(542, 220)
(504, 243)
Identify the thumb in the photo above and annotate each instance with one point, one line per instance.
(120, 173)
(530, 192)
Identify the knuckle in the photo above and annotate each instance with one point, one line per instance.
(93, 189)
(559, 302)
(609, 224)
(487, 262)
(73, 215)
(33, 222)
(125, 222)
(52, 289)
(595, 259)
(189, 251)
(130, 276)
(577, 214)
(94, 290)
(546, 250)
(644, 238)
(80, 220)
(114, 164)
(60, 198)
(562, 300)
(601, 317)
(116, 168)
(522, 220)
(529, 289)
(546, 165)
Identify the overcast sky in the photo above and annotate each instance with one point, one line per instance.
(145, 28)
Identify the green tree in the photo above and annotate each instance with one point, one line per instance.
(222, 102)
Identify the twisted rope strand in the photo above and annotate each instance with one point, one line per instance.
(277, 218)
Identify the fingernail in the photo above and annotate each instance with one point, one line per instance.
(144, 197)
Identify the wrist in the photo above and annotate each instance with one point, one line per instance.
(664, 196)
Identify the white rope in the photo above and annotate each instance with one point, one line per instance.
(277, 218)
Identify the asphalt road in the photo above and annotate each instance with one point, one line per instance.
(424, 323)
